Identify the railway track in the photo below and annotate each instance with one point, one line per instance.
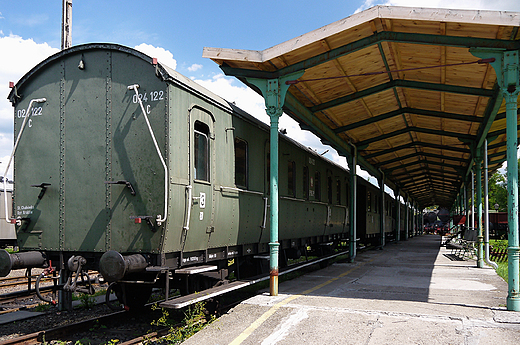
(96, 323)
(127, 327)
(18, 292)
(16, 281)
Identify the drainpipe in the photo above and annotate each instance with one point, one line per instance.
(478, 199)
(486, 209)
(352, 162)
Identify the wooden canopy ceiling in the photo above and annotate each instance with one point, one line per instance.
(402, 86)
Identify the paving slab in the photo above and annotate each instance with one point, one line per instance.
(411, 292)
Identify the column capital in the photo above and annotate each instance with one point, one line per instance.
(274, 91)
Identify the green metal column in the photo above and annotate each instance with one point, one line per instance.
(352, 163)
(478, 212)
(416, 208)
(382, 209)
(507, 69)
(398, 216)
(512, 84)
(415, 219)
(412, 219)
(274, 91)
(406, 219)
(472, 200)
(466, 199)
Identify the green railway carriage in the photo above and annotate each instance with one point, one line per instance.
(123, 165)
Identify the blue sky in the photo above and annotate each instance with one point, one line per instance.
(175, 32)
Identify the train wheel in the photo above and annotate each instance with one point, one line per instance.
(131, 296)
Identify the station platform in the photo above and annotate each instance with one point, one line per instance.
(411, 292)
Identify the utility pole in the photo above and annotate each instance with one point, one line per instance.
(66, 25)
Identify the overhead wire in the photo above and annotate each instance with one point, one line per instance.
(481, 61)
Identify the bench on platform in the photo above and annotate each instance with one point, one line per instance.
(464, 243)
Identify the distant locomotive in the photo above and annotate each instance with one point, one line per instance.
(127, 167)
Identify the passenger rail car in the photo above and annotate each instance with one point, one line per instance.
(7, 230)
(369, 208)
(127, 167)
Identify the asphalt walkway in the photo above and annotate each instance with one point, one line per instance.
(411, 292)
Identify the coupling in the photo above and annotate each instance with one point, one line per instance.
(113, 266)
(15, 261)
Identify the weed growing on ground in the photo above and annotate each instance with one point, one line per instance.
(42, 307)
(194, 320)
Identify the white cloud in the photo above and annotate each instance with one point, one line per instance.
(194, 67)
(18, 57)
(251, 102)
(162, 55)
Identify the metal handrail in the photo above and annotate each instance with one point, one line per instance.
(27, 114)
(159, 219)
(234, 189)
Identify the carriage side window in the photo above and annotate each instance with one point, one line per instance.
(306, 183)
(329, 189)
(348, 194)
(291, 179)
(338, 192)
(369, 202)
(317, 186)
(241, 163)
(201, 160)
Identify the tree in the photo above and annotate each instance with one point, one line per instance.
(498, 191)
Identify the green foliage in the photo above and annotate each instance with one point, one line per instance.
(42, 307)
(498, 192)
(502, 270)
(194, 320)
(12, 250)
(498, 244)
(87, 301)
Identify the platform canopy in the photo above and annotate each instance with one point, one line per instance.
(401, 85)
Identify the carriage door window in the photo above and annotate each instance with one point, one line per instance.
(329, 188)
(201, 135)
(241, 163)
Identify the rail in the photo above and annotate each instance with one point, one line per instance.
(27, 114)
(159, 219)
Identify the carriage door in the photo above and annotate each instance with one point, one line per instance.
(201, 172)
